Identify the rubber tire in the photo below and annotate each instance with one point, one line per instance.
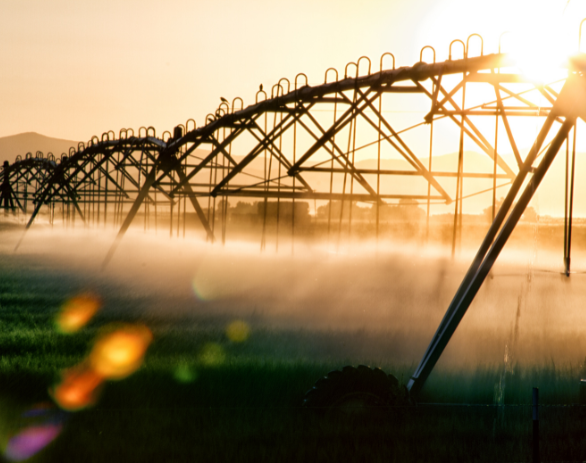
(356, 391)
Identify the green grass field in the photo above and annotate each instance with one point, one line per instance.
(242, 401)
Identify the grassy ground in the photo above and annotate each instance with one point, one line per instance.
(200, 397)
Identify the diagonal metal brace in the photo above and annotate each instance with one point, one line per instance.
(485, 258)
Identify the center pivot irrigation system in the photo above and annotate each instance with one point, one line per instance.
(310, 143)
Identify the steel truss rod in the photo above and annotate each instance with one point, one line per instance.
(407, 152)
(276, 132)
(149, 180)
(324, 141)
(363, 198)
(199, 211)
(402, 172)
(478, 138)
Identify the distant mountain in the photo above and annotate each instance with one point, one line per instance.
(23, 143)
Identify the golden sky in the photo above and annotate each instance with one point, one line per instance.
(75, 68)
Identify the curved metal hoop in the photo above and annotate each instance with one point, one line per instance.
(351, 63)
(149, 129)
(278, 87)
(225, 107)
(234, 103)
(306, 80)
(501, 39)
(94, 141)
(382, 58)
(427, 47)
(166, 135)
(39, 155)
(463, 48)
(580, 34)
(288, 83)
(258, 93)
(358, 65)
(187, 125)
(140, 131)
(326, 75)
(468, 44)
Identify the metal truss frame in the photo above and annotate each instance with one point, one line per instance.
(305, 142)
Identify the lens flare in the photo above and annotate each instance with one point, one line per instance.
(539, 55)
(77, 312)
(212, 354)
(47, 423)
(31, 440)
(238, 331)
(184, 373)
(120, 353)
(78, 389)
(205, 289)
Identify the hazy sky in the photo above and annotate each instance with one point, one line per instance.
(75, 68)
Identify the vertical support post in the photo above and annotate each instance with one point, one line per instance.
(279, 183)
(293, 202)
(99, 193)
(582, 392)
(457, 232)
(332, 172)
(377, 205)
(428, 183)
(184, 213)
(496, 137)
(171, 204)
(352, 177)
(267, 176)
(535, 410)
(178, 215)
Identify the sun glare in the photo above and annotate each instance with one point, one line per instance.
(540, 56)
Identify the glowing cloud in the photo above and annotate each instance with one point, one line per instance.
(77, 312)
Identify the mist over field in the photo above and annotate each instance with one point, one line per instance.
(356, 302)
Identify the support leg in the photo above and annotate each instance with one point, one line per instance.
(489, 251)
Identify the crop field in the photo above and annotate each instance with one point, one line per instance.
(206, 394)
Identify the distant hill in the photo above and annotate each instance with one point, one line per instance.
(23, 143)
